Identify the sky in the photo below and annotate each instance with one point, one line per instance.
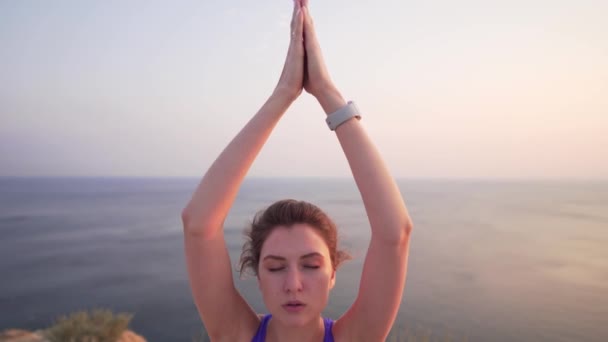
(447, 89)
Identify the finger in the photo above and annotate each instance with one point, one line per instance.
(296, 5)
(308, 19)
(310, 36)
(299, 27)
(297, 33)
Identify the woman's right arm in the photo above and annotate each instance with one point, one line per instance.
(225, 314)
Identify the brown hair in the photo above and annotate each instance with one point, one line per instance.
(287, 213)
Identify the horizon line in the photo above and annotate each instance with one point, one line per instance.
(427, 178)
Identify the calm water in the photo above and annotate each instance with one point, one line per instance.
(489, 261)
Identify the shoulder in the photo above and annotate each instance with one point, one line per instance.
(329, 331)
(344, 332)
(259, 334)
(244, 331)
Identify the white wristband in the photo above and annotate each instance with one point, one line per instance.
(342, 115)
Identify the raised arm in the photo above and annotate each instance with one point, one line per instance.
(225, 314)
(372, 314)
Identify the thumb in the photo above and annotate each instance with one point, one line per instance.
(310, 35)
(298, 30)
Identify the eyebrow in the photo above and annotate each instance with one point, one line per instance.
(305, 256)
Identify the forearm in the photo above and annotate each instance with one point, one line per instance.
(212, 199)
(383, 202)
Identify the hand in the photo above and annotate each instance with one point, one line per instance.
(292, 78)
(316, 78)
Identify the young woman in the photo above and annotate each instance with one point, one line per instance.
(292, 244)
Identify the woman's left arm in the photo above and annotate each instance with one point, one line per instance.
(371, 316)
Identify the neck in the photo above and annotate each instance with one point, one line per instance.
(313, 331)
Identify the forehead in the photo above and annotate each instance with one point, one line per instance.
(293, 242)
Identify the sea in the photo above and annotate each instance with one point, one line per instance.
(489, 260)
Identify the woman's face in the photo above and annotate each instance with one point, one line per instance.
(295, 274)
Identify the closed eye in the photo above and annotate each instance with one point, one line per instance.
(311, 267)
(276, 269)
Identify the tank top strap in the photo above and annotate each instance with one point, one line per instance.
(329, 336)
(260, 335)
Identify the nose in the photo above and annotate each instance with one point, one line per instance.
(293, 281)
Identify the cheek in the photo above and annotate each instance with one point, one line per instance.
(320, 280)
(269, 284)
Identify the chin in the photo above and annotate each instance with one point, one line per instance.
(294, 320)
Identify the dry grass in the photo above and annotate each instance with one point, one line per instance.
(98, 326)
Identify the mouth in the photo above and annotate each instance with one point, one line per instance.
(294, 303)
(294, 306)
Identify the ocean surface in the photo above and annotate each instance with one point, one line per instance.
(489, 260)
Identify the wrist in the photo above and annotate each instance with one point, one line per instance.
(331, 100)
(284, 95)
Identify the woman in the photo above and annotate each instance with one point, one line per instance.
(292, 247)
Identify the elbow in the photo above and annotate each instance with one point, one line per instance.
(408, 226)
(185, 217)
(405, 232)
(397, 236)
(196, 227)
(188, 222)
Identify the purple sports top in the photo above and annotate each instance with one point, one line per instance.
(260, 335)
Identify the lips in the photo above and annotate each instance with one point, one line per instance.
(294, 306)
(294, 303)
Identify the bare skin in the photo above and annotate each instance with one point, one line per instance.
(225, 314)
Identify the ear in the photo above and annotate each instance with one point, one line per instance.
(332, 281)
